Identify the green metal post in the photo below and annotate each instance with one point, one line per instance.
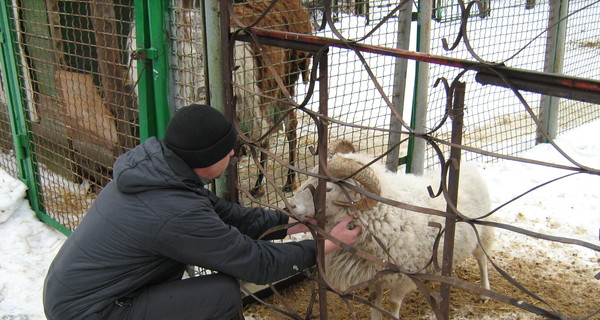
(152, 56)
(24, 153)
(143, 55)
(157, 19)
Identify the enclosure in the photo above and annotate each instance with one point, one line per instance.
(414, 84)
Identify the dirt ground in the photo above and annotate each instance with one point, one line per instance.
(569, 287)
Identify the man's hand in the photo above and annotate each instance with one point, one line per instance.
(346, 231)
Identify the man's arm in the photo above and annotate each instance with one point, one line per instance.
(251, 221)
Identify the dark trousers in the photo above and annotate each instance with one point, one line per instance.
(215, 296)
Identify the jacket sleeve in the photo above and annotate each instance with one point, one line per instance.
(251, 221)
(201, 238)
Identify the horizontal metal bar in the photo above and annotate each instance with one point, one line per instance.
(585, 89)
(550, 89)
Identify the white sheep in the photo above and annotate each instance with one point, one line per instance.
(407, 237)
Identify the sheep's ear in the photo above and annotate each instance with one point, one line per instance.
(340, 146)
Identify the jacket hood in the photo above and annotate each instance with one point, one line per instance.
(152, 165)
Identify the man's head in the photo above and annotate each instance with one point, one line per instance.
(201, 136)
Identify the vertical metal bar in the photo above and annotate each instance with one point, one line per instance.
(217, 21)
(416, 161)
(225, 92)
(155, 107)
(554, 61)
(453, 179)
(215, 13)
(322, 127)
(157, 19)
(146, 103)
(399, 90)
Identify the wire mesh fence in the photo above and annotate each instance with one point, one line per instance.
(496, 119)
(79, 114)
(7, 156)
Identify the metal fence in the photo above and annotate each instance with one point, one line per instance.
(71, 109)
(85, 81)
(544, 36)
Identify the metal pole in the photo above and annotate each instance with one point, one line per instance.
(152, 55)
(453, 179)
(399, 90)
(215, 12)
(217, 24)
(321, 187)
(416, 162)
(143, 56)
(555, 52)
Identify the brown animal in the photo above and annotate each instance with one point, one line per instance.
(288, 64)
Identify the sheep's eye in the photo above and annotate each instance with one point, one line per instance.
(329, 189)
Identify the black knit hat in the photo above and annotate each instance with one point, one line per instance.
(200, 135)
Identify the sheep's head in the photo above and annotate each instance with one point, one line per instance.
(343, 170)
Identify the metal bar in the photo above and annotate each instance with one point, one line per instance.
(555, 52)
(399, 90)
(146, 103)
(160, 67)
(152, 55)
(280, 42)
(215, 12)
(226, 186)
(570, 82)
(552, 89)
(217, 20)
(320, 193)
(416, 160)
(453, 180)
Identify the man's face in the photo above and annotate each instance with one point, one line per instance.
(215, 170)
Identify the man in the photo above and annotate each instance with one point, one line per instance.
(127, 257)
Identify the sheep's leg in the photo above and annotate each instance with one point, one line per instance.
(376, 298)
(397, 294)
(259, 189)
(483, 270)
(291, 183)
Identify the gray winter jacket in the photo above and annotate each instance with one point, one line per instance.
(154, 218)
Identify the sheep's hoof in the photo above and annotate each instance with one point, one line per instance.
(290, 187)
(258, 192)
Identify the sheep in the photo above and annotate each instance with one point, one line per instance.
(405, 237)
(287, 64)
